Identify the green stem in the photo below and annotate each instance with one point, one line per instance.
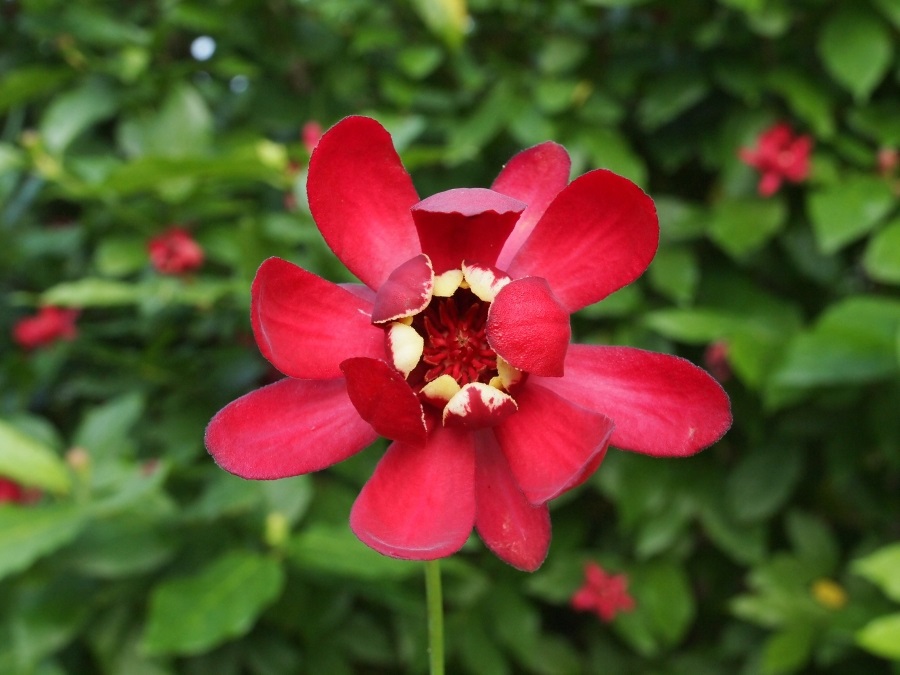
(435, 617)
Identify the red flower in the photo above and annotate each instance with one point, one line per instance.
(604, 594)
(310, 135)
(779, 155)
(46, 327)
(457, 349)
(175, 252)
(13, 493)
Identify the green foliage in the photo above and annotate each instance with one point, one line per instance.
(773, 552)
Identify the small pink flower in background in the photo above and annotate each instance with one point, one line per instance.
(887, 161)
(46, 327)
(603, 594)
(457, 348)
(13, 493)
(175, 252)
(310, 135)
(780, 155)
(715, 358)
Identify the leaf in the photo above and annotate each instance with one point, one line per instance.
(881, 636)
(882, 568)
(22, 85)
(805, 96)
(120, 256)
(847, 210)
(74, 112)
(813, 542)
(610, 150)
(853, 342)
(104, 430)
(669, 96)
(882, 256)
(448, 19)
(741, 226)
(335, 550)
(182, 128)
(788, 650)
(675, 273)
(29, 461)
(91, 292)
(192, 614)
(763, 481)
(856, 48)
(28, 533)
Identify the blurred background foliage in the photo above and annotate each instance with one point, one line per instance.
(775, 551)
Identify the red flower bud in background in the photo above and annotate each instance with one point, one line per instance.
(46, 327)
(779, 155)
(175, 252)
(13, 493)
(603, 594)
(715, 358)
(310, 135)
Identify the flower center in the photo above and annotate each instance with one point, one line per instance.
(455, 340)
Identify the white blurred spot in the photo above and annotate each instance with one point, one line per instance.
(203, 48)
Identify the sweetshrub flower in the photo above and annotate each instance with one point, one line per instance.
(457, 349)
(49, 325)
(13, 493)
(779, 155)
(175, 252)
(603, 594)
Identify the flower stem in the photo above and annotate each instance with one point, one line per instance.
(435, 617)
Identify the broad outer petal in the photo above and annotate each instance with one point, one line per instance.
(534, 176)
(516, 530)
(550, 442)
(598, 235)
(360, 196)
(406, 292)
(528, 327)
(465, 224)
(384, 399)
(286, 429)
(662, 405)
(420, 502)
(305, 326)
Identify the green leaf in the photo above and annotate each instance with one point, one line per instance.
(610, 150)
(91, 292)
(856, 48)
(882, 256)
(807, 98)
(104, 431)
(843, 212)
(24, 84)
(74, 112)
(763, 481)
(120, 256)
(882, 568)
(181, 128)
(853, 342)
(193, 614)
(127, 544)
(448, 19)
(28, 533)
(742, 226)
(813, 542)
(29, 461)
(670, 96)
(881, 636)
(675, 273)
(336, 550)
(788, 650)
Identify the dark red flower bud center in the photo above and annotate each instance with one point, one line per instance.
(455, 340)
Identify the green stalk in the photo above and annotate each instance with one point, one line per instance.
(435, 605)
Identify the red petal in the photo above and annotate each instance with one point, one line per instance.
(305, 326)
(406, 292)
(550, 442)
(517, 531)
(528, 327)
(360, 196)
(287, 428)
(598, 235)
(384, 399)
(662, 405)
(534, 176)
(465, 224)
(420, 502)
(477, 405)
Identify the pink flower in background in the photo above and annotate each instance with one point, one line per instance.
(603, 594)
(13, 493)
(457, 348)
(779, 155)
(46, 327)
(310, 135)
(175, 252)
(715, 358)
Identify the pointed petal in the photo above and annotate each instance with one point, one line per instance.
(404, 347)
(662, 405)
(406, 292)
(464, 224)
(305, 326)
(478, 405)
(517, 531)
(598, 235)
(382, 398)
(420, 502)
(534, 176)
(528, 327)
(360, 196)
(550, 442)
(286, 429)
